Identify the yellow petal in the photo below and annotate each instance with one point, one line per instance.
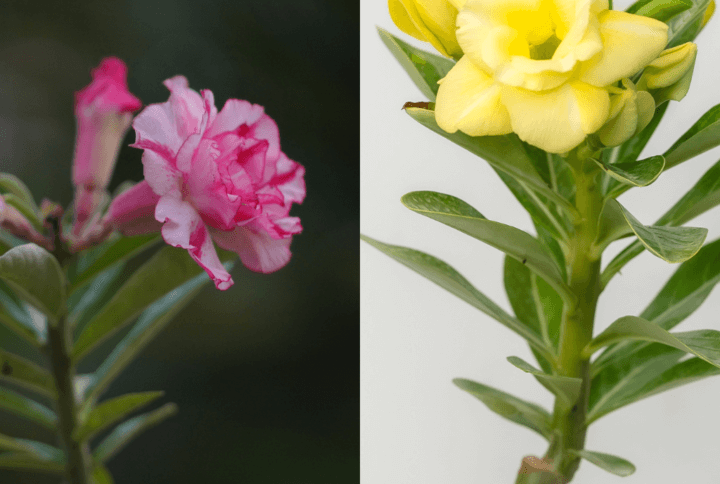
(646, 109)
(630, 42)
(469, 100)
(557, 120)
(428, 20)
(401, 18)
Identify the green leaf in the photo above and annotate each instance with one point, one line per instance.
(672, 244)
(514, 242)
(704, 343)
(703, 196)
(112, 411)
(112, 252)
(26, 461)
(611, 463)
(612, 226)
(702, 136)
(35, 275)
(148, 325)
(125, 432)
(101, 475)
(90, 299)
(31, 455)
(519, 411)
(449, 279)
(10, 184)
(639, 173)
(425, 69)
(686, 26)
(23, 406)
(26, 374)
(505, 153)
(664, 10)
(168, 269)
(25, 209)
(567, 389)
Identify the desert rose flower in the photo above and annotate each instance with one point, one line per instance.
(213, 176)
(430, 21)
(103, 111)
(541, 69)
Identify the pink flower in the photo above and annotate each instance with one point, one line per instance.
(103, 110)
(213, 176)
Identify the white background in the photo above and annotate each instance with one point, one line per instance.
(416, 426)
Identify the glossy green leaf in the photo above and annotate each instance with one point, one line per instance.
(111, 411)
(702, 136)
(26, 461)
(503, 152)
(514, 409)
(514, 242)
(664, 10)
(672, 244)
(98, 293)
(10, 184)
(126, 431)
(703, 196)
(704, 343)
(25, 209)
(116, 250)
(101, 475)
(611, 463)
(15, 313)
(636, 173)
(148, 325)
(168, 269)
(26, 374)
(620, 377)
(449, 279)
(686, 26)
(23, 406)
(612, 226)
(30, 455)
(554, 170)
(425, 69)
(35, 275)
(567, 389)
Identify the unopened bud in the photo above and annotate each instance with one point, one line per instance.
(709, 11)
(630, 112)
(668, 77)
(12, 220)
(429, 20)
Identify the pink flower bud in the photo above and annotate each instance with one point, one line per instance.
(15, 223)
(103, 111)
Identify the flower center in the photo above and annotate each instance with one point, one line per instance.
(546, 50)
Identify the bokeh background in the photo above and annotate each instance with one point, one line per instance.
(265, 374)
(416, 426)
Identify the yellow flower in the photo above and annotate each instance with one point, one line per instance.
(542, 68)
(429, 20)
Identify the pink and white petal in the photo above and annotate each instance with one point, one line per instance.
(265, 128)
(258, 251)
(205, 255)
(187, 151)
(234, 114)
(133, 211)
(290, 179)
(630, 42)
(162, 177)
(156, 129)
(210, 109)
(179, 219)
(187, 105)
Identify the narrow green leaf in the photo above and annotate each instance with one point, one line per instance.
(612, 226)
(514, 242)
(101, 475)
(168, 269)
(449, 279)
(672, 244)
(24, 373)
(112, 411)
(25, 209)
(125, 432)
(611, 463)
(704, 343)
(425, 69)
(26, 461)
(503, 152)
(639, 173)
(10, 184)
(686, 26)
(23, 406)
(567, 389)
(148, 325)
(31, 455)
(114, 251)
(35, 275)
(702, 136)
(664, 10)
(514, 409)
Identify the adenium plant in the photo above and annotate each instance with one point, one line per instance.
(560, 98)
(216, 184)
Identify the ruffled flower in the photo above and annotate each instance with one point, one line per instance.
(213, 176)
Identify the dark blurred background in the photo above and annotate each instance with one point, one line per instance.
(266, 374)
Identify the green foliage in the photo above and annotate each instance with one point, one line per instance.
(611, 463)
(12, 185)
(639, 173)
(26, 374)
(514, 409)
(686, 26)
(702, 136)
(514, 242)
(567, 389)
(425, 69)
(662, 10)
(25, 407)
(112, 411)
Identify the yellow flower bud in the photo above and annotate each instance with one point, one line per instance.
(630, 112)
(670, 74)
(430, 21)
(708, 13)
